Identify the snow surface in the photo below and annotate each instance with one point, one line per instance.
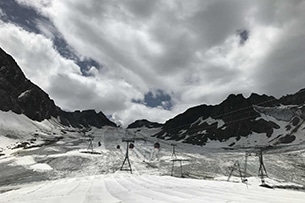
(60, 171)
(209, 121)
(146, 188)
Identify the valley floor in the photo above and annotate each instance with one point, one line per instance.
(60, 171)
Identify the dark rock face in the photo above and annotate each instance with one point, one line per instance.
(21, 96)
(235, 117)
(144, 123)
(294, 99)
(85, 118)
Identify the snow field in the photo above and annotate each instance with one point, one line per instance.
(128, 188)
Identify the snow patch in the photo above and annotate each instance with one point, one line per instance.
(29, 162)
(24, 94)
(25, 160)
(209, 121)
(41, 167)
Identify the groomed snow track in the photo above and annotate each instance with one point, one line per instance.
(122, 187)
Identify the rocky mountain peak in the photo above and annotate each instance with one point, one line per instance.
(294, 99)
(235, 118)
(21, 96)
(144, 123)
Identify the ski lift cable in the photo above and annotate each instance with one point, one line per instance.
(164, 142)
(260, 103)
(209, 127)
(227, 113)
(206, 128)
(195, 130)
(190, 123)
(234, 111)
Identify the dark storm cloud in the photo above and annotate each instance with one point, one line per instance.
(218, 20)
(220, 75)
(141, 8)
(283, 68)
(85, 95)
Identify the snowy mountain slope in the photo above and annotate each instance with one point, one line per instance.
(60, 171)
(291, 122)
(17, 129)
(289, 129)
(241, 122)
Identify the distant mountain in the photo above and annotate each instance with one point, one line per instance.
(241, 122)
(21, 96)
(86, 118)
(144, 123)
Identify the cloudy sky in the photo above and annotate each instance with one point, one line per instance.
(134, 59)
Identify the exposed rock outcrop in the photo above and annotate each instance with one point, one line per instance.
(144, 123)
(21, 96)
(237, 117)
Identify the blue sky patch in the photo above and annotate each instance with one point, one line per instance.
(29, 19)
(157, 99)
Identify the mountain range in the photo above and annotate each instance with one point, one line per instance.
(235, 122)
(263, 119)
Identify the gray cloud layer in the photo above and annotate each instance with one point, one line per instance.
(188, 49)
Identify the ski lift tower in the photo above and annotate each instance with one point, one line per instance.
(174, 156)
(90, 146)
(236, 166)
(174, 159)
(128, 141)
(262, 172)
(247, 154)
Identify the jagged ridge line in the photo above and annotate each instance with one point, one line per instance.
(228, 113)
(220, 115)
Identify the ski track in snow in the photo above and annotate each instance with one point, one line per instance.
(88, 178)
(146, 188)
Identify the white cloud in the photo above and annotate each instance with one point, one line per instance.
(61, 78)
(140, 111)
(35, 54)
(188, 49)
